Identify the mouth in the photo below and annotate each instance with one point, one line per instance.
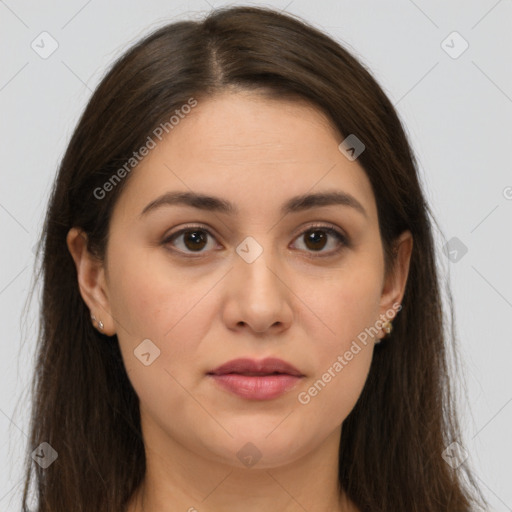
(256, 380)
(256, 368)
(250, 374)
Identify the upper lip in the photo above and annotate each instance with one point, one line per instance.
(247, 366)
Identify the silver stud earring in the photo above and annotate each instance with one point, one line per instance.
(100, 323)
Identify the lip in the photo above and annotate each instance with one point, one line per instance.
(256, 379)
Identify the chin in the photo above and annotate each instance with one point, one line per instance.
(254, 445)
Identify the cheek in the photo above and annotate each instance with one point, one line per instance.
(151, 300)
(347, 305)
(348, 309)
(149, 295)
(326, 400)
(342, 360)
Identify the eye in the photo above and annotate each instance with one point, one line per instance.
(316, 238)
(195, 239)
(192, 238)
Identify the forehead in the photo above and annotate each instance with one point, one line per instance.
(250, 150)
(245, 128)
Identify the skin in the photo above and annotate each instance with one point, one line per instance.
(290, 303)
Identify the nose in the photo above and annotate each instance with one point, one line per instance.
(257, 296)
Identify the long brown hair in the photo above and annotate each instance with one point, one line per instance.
(83, 403)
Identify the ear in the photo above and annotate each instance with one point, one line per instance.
(91, 280)
(394, 284)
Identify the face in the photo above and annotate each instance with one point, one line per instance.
(208, 285)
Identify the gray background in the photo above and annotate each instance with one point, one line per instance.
(457, 112)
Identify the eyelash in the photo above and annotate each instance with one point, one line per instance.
(329, 229)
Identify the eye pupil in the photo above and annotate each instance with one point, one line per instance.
(316, 237)
(197, 238)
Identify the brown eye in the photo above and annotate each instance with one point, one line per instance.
(315, 239)
(189, 240)
(194, 240)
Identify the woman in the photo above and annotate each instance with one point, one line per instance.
(241, 308)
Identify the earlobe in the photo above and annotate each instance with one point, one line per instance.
(91, 281)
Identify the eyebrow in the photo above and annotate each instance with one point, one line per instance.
(216, 204)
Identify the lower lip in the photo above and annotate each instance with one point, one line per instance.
(263, 387)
